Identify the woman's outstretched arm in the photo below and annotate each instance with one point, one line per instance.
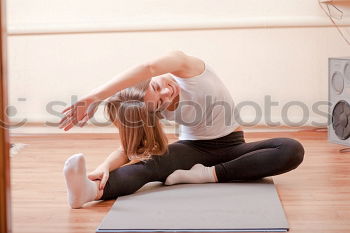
(173, 62)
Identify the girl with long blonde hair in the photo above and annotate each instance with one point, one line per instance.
(211, 145)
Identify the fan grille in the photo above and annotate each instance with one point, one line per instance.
(341, 119)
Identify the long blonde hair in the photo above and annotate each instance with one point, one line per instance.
(140, 131)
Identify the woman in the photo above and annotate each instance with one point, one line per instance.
(211, 145)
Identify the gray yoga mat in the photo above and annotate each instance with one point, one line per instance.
(229, 207)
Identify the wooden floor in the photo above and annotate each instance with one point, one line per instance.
(315, 196)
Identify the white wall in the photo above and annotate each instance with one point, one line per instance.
(259, 48)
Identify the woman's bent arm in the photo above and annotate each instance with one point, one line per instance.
(116, 159)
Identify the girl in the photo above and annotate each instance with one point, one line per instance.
(211, 145)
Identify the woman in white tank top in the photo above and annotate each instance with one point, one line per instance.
(211, 145)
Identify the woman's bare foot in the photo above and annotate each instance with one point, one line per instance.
(80, 188)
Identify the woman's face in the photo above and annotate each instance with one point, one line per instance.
(161, 92)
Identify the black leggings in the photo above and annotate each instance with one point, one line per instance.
(234, 159)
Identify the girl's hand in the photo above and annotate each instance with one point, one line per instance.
(79, 113)
(100, 173)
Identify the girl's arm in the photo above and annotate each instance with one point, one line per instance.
(175, 62)
(115, 160)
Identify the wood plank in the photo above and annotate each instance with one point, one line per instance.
(315, 196)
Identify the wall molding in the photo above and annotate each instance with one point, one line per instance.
(110, 26)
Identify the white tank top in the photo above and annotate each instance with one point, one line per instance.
(206, 108)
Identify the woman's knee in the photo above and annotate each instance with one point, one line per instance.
(293, 152)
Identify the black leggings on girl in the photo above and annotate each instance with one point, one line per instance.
(234, 159)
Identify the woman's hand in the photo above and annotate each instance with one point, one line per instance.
(100, 173)
(79, 113)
